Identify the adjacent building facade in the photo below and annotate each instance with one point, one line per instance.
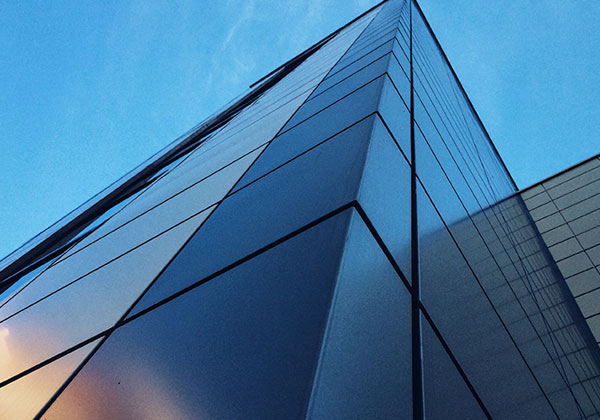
(343, 241)
(566, 210)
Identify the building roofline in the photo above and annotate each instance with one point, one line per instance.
(466, 96)
(583, 162)
(325, 39)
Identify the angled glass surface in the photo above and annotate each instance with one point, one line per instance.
(243, 345)
(88, 306)
(24, 398)
(364, 370)
(471, 327)
(303, 139)
(135, 225)
(338, 91)
(447, 396)
(298, 193)
(385, 192)
(350, 108)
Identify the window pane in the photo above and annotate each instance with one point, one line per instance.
(241, 346)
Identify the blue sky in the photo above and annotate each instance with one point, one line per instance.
(91, 89)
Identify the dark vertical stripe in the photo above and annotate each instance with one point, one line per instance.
(417, 357)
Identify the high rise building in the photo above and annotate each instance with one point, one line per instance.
(341, 241)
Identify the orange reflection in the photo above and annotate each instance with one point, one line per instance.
(93, 395)
(24, 398)
(101, 395)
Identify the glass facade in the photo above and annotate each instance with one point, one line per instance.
(342, 241)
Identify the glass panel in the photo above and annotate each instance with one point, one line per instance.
(24, 398)
(350, 109)
(584, 282)
(368, 56)
(537, 200)
(316, 183)
(359, 78)
(9, 293)
(126, 230)
(243, 345)
(470, 325)
(385, 194)
(364, 370)
(89, 305)
(558, 234)
(446, 394)
(300, 140)
(571, 173)
(395, 114)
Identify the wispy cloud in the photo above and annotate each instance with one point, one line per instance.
(246, 16)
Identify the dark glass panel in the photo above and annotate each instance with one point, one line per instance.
(470, 326)
(360, 76)
(298, 193)
(299, 140)
(395, 113)
(402, 54)
(368, 44)
(365, 366)
(352, 67)
(446, 393)
(385, 192)
(243, 345)
(349, 108)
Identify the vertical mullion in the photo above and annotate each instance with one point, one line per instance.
(417, 354)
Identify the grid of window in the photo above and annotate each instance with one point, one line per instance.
(565, 209)
(347, 244)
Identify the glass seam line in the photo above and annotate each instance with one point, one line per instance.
(454, 361)
(418, 391)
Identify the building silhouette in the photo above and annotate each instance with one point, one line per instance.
(342, 241)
